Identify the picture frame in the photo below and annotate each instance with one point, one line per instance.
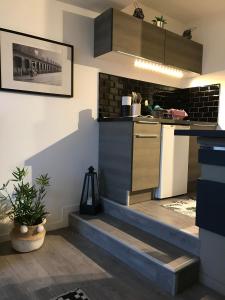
(35, 65)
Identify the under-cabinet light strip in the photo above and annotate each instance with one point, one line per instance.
(151, 66)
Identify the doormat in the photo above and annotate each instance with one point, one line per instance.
(185, 207)
(77, 294)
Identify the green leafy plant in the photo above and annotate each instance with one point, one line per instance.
(26, 206)
(159, 19)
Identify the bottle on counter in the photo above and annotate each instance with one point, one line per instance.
(126, 106)
(144, 108)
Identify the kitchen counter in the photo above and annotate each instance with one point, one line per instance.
(157, 120)
(146, 119)
(202, 133)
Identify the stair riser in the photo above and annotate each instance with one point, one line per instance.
(163, 231)
(161, 276)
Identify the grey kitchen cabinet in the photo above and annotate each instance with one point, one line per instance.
(118, 31)
(129, 155)
(103, 29)
(152, 42)
(126, 34)
(183, 53)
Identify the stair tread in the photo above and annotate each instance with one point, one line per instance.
(167, 254)
(180, 238)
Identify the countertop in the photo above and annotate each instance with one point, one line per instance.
(146, 119)
(202, 133)
(157, 120)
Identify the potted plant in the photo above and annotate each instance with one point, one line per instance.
(26, 209)
(159, 21)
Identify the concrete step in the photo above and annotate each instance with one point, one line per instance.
(179, 238)
(169, 267)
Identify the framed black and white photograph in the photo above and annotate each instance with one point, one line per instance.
(31, 64)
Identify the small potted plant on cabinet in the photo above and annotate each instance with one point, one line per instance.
(159, 21)
(26, 209)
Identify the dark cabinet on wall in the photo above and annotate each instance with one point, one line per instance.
(118, 31)
(126, 33)
(183, 53)
(152, 42)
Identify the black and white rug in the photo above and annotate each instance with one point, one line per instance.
(77, 294)
(184, 206)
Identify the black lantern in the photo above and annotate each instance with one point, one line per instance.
(90, 199)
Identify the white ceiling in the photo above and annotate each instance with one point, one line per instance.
(181, 10)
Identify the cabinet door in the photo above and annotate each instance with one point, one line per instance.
(146, 156)
(126, 33)
(153, 42)
(183, 53)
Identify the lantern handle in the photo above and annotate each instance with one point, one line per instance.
(91, 169)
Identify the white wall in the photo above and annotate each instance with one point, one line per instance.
(212, 78)
(209, 32)
(212, 260)
(150, 14)
(56, 135)
(53, 135)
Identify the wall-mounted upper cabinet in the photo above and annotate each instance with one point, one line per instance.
(152, 42)
(117, 31)
(126, 33)
(183, 53)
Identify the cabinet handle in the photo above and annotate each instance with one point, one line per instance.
(147, 136)
(146, 122)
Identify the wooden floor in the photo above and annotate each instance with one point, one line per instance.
(67, 261)
(155, 210)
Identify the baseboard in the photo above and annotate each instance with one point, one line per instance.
(62, 222)
(210, 282)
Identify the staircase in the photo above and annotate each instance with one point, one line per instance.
(142, 243)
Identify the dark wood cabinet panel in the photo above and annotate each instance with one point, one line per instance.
(183, 53)
(103, 33)
(115, 154)
(126, 33)
(153, 42)
(118, 31)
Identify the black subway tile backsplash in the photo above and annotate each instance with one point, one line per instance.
(206, 100)
(201, 103)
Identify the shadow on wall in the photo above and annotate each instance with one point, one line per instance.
(66, 162)
(79, 31)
